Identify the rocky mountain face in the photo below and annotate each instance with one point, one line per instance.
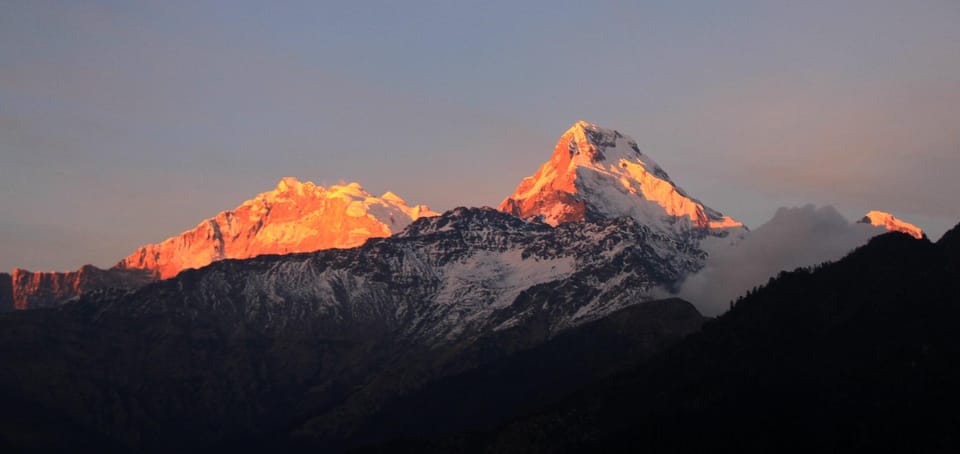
(294, 217)
(318, 342)
(891, 223)
(599, 173)
(28, 290)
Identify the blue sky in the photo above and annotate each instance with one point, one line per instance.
(123, 123)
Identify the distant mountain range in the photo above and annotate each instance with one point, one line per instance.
(293, 217)
(329, 319)
(593, 173)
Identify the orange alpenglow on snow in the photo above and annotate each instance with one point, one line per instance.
(600, 172)
(295, 217)
(891, 223)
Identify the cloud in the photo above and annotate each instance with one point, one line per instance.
(795, 237)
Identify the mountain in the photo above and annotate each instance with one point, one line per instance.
(24, 289)
(464, 321)
(600, 173)
(891, 223)
(854, 356)
(304, 348)
(294, 217)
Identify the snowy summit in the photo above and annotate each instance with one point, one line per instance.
(891, 223)
(596, 173)
(295, 216)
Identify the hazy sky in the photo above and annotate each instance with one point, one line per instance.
(792, 238)
(123, 123)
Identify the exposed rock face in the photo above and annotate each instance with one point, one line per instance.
(601, 173)
(294, 217)
(891, 223)
(29, 290)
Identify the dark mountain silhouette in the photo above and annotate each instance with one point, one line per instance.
(487, 396)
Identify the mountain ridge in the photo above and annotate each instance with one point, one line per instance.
(593, 173)
(293, 217)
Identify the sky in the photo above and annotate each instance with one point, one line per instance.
(124, 123)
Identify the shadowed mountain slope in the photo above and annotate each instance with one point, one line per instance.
(862, 355)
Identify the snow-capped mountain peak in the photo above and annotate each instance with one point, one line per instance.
(891, 223)
(596, 172)
(295, 216)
